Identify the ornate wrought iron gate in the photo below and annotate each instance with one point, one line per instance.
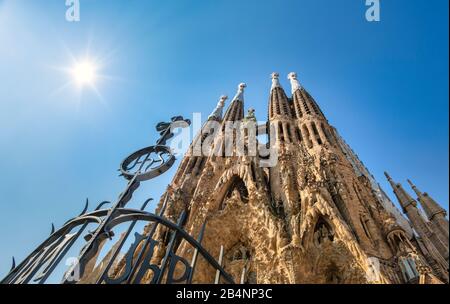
(140, 166)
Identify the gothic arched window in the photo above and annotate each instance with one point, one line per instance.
(237, 189)
(323, 232)
(408, 267)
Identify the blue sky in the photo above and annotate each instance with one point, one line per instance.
(383, 85)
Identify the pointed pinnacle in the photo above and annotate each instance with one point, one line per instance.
(275, 80)
(387, 176)
(240, 92)
(295, 84)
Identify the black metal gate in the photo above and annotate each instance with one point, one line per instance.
(136, 266)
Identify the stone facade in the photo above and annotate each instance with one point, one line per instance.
(317, 216)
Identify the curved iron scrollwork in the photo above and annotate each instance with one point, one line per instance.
(137, 264)
(153, 161)
(147, 163)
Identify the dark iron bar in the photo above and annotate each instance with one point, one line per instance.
(40, 260)
(173, 226)
(88, 248)
(122, 242)
(146, 242)
(195, 255)
(19, 268)
(217, 280)
(62, 254)
(169, 248)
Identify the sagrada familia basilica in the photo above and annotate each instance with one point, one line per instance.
(316, 215)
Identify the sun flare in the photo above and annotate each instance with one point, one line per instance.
(84, 76)
(84, 73)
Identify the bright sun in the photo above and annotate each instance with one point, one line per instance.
(84, 73)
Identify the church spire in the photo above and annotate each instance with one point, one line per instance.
(235, 111)
(275, 81)
(403, 197)
(217, 113)
(240, 93)
(433, 243)
(390, 180)
(435, 213)
(278, 103)
(304, 103)
(295, 84)
(429, 205)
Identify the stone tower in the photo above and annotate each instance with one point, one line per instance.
(311, 214)
(436, 248)
(435, 213)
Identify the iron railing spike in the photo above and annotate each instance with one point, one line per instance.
(182, 217)
(53, 229)
(102, 204)
(86, 206)
(13, 264)
(195, 255)
(144, 205)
